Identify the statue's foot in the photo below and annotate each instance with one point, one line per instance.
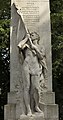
(22, 116)
(38, 109)
(29, 113)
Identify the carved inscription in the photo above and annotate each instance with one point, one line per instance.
(30, 11)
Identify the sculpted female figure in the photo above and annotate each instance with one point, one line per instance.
(32, 69)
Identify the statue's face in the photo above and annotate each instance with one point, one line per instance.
(35, 38)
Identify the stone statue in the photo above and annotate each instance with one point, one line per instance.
(33, 67)
(32, 63)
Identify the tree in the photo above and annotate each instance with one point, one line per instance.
(4, 52)
(57, 51)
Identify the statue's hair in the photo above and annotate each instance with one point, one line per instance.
(34, 37)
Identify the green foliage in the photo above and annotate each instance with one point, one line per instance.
(4, 33)
(57, 50)
(4, 9)
(4, 52)
(56, 6)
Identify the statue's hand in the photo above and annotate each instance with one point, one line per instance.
(33, 46)
(28, 35)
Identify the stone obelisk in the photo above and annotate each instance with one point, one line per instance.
(36, 14)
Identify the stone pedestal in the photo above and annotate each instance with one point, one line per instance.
(10, 112)
(16, 98)
(33, 117)
(50, 110)
(14, 109)
(48, 106)
(47, 97)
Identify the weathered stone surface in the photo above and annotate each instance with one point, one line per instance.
(12, 97)
(37, 23)
(42, 27)
(47, 97)
(36, 15)
(19, 110)
(50, 110)
(51, 119)
(16, 98)
(33, 117)
(10, 112)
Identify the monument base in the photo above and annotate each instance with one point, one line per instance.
(10, 112)
(14, 109)
(36, 116)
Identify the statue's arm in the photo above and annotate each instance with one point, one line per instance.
(38, 53)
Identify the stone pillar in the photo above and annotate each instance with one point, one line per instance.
(36, 14)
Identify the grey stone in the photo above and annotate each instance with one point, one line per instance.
(51, 118)
(42, 27)
(33, 117)
(10, 112)
(31, 66)
(50, 110)
(19, 110)
(38, 21)
(16, 81)
(12, 97)
(15, 97)
(47, 97)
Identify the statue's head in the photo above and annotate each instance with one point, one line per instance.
(35, 37)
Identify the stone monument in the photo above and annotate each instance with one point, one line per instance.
(31, 96)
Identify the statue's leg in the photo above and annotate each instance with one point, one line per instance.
(35, 89)
(26, 83)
